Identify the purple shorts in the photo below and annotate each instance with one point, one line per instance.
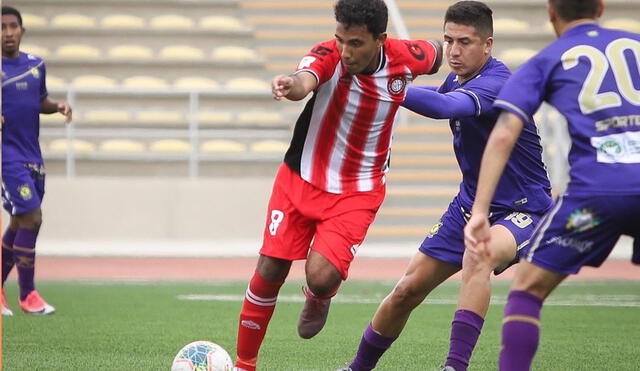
(445, 241)
(22, 187)
(581, 231)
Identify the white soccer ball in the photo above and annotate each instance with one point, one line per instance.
(202, 356)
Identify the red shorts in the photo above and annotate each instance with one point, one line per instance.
(300, 213)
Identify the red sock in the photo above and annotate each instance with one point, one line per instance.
(259, 304)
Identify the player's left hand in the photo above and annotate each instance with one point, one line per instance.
(65, 109)
(477, 235)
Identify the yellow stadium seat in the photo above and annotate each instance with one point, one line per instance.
(181, 52)
(78, 145)
(55, 82)
(195, 82)
(55, 119)
(35, 50)
(70, 20)
(122, 145)
(144, 82)
(93, 82)
(130, 52)
(270, 146)
(171, 21)
(215, 118)
(216, 22)
(626, 24)
(124, 21)
(78, 51)
(170, 145)
(506, 25)
(32, 20)
(159, 117)
(102, 116)
(247, 83)
(254, 117)
(234, 53)
(222, 145)
(516, 56)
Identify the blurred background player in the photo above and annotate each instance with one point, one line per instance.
(24, 97)
(590, 74)
(332, 182)
(466, 98)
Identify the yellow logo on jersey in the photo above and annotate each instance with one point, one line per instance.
(35, 72)
(25, 192)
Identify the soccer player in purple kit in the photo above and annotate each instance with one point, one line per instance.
(466, 98)
(591, 75)
(24, 97)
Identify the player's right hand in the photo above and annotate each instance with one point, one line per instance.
(477, 235)
(281, 86)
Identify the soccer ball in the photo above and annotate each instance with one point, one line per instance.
(202, 356)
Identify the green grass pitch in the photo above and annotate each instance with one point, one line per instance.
(142, 325)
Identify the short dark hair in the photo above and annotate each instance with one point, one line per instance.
(370, 13)
(472, 13)
(12, 11)
(570, 10)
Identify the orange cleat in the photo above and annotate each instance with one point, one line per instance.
(34, 304)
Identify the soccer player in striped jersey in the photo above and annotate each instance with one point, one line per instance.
(332, 181)
(24, 97)
(591, 75)
(466, 99)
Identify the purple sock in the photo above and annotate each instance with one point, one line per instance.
(465, 330)
(372, 347)
(520, 331)
(24, 251)
(7, 253)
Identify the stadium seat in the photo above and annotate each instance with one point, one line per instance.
(516, 56)
(78, 145)
(171, 21)
(247, 83)
(70, 20)
(122, 21)
(35, 50)
(626, 24)
(144, 82)
(159, 117)
(222, 145)
(106, 116)
(93, 82)
(170, 145)
(31, 20)
(195, 83)
(216, 22)
(121, 145)
(78, 51)
(508, 25)
(214, 118)
(181, 52)
(130, 52)
(55, 82)
(54, 119)
(264, 118)
(270, 146)
(234, 53)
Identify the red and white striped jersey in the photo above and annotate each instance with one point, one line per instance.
(341, 142)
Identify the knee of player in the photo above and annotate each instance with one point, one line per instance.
(323, 285)
(404, 294)
(474, 272)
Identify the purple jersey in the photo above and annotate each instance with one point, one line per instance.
(524, 185)
(591, 75)
(23, 89)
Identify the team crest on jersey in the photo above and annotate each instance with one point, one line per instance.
(25, 192)
(397, 84)
(434, 230)
(35, 72)
(582, 220)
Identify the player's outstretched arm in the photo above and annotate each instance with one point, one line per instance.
(49, 106)
(293, 87)
(496, 154)
(425, 100)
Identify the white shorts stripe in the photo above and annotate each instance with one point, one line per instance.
(544, 228)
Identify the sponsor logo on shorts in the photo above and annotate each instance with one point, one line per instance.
(434, 230)
(25, 192)
(582, 220)
(354, 249)
(250, 325)
(574, 243)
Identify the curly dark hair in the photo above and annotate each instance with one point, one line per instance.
(472, 13)
(570, 10)
(369, 13)
(12, 11)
